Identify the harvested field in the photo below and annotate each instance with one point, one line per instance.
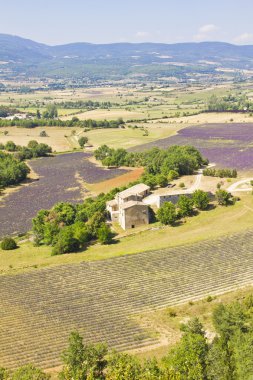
(56, 137)
(60, 180)
(101, 298)
(110, 114)
(228, 145)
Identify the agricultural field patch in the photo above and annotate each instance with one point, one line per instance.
(110, 114)
(58, 137)
(129, 137)
(61, 179)
(227, 145)
(101, 299)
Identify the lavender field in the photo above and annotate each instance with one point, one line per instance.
(58, 182)
(228, 145)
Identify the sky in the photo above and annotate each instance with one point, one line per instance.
(57, 22)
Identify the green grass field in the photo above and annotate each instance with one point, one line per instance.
(207, 225)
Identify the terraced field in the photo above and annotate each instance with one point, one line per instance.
(40, 308)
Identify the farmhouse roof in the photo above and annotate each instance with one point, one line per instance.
(132, 204)
(111, 203)
(136, 189)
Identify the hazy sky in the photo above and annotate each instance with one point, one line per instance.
(102, 21)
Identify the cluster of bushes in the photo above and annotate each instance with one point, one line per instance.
(12, 170)
(173, 161)
(69, 227)
(221, 173)
(170, 213)
(45, 120)
(33, 150)
(227, 356)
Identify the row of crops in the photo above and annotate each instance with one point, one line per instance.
(228, 145)
(39, 309)
(58, 183)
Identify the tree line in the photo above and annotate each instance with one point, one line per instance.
(161, 165)
(55, 122)
(221, 173)
(227, 356)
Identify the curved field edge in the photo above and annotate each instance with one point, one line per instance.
(100, 299)
(207, 225)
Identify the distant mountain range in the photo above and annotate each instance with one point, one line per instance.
(26, 57)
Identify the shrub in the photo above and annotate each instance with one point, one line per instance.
(200, 199)
(167, 213)
(104, 234)
(29, 372)
(8, 244)
(65, 242)
(43, 134)
(224, 198)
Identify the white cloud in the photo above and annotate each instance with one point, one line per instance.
(208, 28)
(205, 32)
(142, 34)
(244, 38)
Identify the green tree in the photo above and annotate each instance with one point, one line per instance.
(4, 375)
(83, 362)
(185, 205)
(200, 199)
(188, 358)
(167, 213)
(123, 366)
(29, 372)
(10, 146)
(104, 234)
(161, 180)
(32, 144)
(173, 174)
(223, 197)
(65, 242)
(51, 112)
(82, 141)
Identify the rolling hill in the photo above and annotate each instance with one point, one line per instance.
(117, 60)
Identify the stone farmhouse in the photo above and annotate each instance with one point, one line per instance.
(128, 208)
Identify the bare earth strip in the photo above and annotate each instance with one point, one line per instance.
(100, 299)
